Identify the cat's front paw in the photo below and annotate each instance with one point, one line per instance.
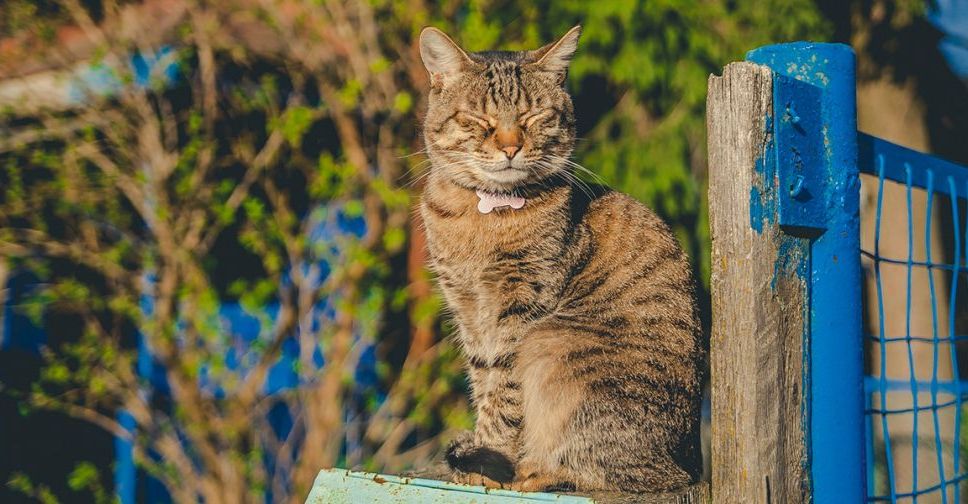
(459, 447)
(465, 454)
(475, 479)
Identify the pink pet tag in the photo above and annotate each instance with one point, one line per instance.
(490, 201)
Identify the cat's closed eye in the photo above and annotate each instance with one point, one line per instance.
(471, 119)
(529, 119)
(484, 120)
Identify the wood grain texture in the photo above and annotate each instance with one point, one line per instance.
(758, 297)
(694, 494)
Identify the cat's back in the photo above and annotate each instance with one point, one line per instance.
(631, 280)
(623, 350)
(627, 238)
(619, 219)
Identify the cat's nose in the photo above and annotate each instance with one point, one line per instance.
(509, 141)
(511, 150)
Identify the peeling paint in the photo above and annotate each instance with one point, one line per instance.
(790, 263)
(756, 210)
(339, 486)
(763, 192)
(833, 343)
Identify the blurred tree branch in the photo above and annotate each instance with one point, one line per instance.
(172, 168)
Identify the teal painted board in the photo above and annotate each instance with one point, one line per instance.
(339, 486)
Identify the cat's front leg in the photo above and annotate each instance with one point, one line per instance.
(491, 450)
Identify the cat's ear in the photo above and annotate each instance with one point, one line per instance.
(555, 57)
(443, 58)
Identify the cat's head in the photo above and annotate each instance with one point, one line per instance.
(498, 120)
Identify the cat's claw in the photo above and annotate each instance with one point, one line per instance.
(475, 479)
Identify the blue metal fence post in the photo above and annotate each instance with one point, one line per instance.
(834, 367)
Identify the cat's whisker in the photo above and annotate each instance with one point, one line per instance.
(569, 177)
(461, 161)
(596, 177)
(425, 150)
(454, 164)
(582, 185)
(416, 153)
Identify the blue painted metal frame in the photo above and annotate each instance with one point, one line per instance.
(797, 110)
(913, 169)
(870, 149)
(816, 143)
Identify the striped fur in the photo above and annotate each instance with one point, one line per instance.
(576, 313)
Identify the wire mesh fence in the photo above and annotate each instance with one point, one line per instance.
(913, 244)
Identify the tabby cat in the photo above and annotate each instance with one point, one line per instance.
(574, 303)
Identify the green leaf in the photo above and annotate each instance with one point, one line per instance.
(393, 239)
(295, 122)
(403, 102)
(83, 476)
(353, 208)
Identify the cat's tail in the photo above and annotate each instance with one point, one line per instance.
(473, 458)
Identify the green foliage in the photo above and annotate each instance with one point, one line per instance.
(295, 122)
(85, 477)
(84, 481)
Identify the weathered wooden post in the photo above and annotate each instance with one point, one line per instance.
(786, 347)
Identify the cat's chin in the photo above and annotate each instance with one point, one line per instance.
(505, 178)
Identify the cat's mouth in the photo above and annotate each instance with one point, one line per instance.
(510, 165)
(506, 174)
